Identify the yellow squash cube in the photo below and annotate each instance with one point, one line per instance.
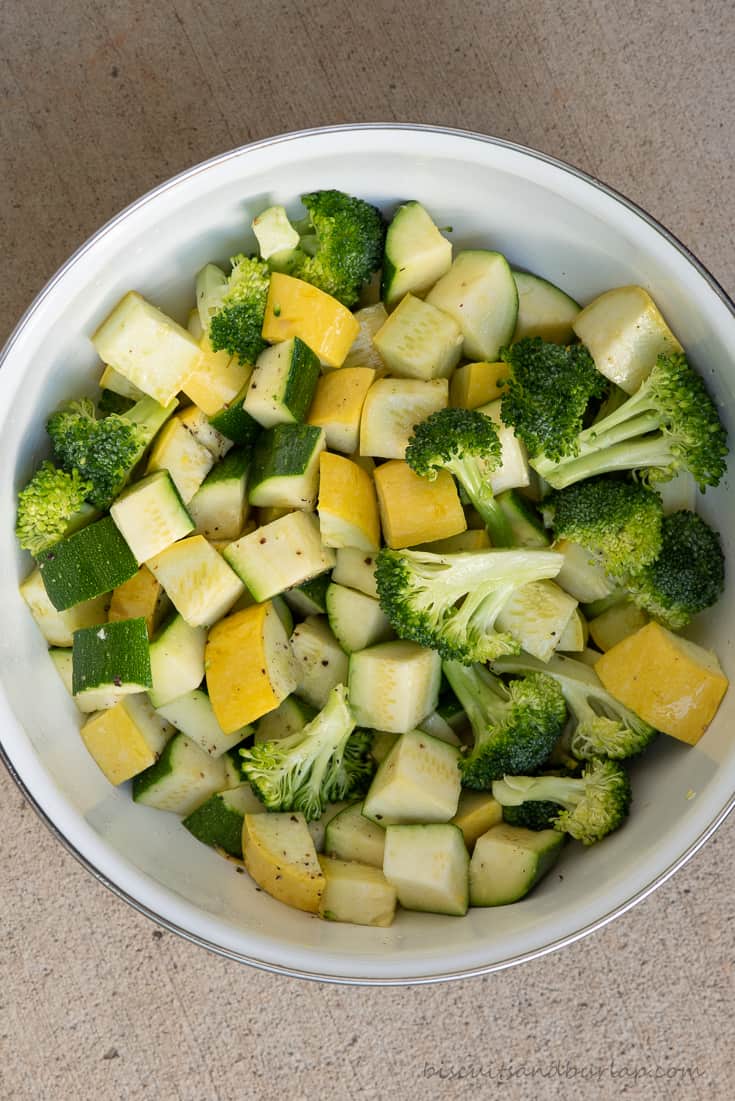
(117, 743)
(216, 380)
(279, 854)
(476, 384)
(477, 812)
(348, 507)
(295, 308)
(249, 666)
(141, 596)
(414, 510)
(337, 406)
(669, 681)
(187, 460)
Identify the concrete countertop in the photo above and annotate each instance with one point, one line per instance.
(98, 104)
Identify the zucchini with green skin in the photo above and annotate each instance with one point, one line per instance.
(311, 597)
(234, 422)
(219, 821)
(416, 254)
(280, 555)
(543, 310)
(321, 663)
(150, 515)
(177, 660)
(352, 836)
(110, 661)
(285, 467)
(419, 341)
(58, 627)
(428, 865)
(219, 508)
(86, 564)
(508, 861)
(192, 714)
(419, 781)
(357, 621)
(479, 292)
(356, 893)
(282, 383)
(291, 715)
(182, 778)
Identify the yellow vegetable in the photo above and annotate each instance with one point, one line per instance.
(475, 384)
(279, 853)
(295, 308)
(200, 584)
(414, 510)
(249, 666)
(216, 380)
(670, 682)
(477, 812)
(141, 596)
(470, 540)
(337, 406)
(117, 743)
(348, 507)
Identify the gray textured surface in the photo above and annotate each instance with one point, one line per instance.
(99, 103)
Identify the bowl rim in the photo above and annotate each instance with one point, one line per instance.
(194, 938)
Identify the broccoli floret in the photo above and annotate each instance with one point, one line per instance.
(341, 245)
(232, 309)
(466, 443)
(105, 451)
(532, 816)
(669, 424)
(321, 764)
(687, 576)
(110, 402)
(449, 602)
(617, 520)
(593, 805)
(604, 727)
(51, 506)
(548, 393)
(515, 726)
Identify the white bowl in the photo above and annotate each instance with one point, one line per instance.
(544, 216)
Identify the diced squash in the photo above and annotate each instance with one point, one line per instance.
(120, 742)
(186, 459)
(392, 407)
(199, 582)
(477, 812)
(140, 597)
(475, 384)
(348, 506)
(150, 349)
(58, 627)
(113, 380)
(363, 352)
(419, 340)
(616, 623)
(216, 380)
(672, 683)
(337, 406)
(197, 422)
(296, 308)
(249, 666)
(471, 540)
(414, 510)
(279, 853)
(625, 333)
(514, 471)
(357, 893)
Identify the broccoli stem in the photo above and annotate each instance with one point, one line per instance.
(479, 491)
(567, 791)
(478, 692)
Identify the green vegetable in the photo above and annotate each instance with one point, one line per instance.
(465, 442)
(104, 451)
(604, 727)
(548, 393)
(51, 506)
(236, 307)
(669, 424)
(322, 763)
(687, 576)
(593, 805)
(111, 402)
(420, 594)
(341, 245)
(532, 816)
(618, 521)
(515, 726)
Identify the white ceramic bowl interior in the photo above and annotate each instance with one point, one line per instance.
(544, 217)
